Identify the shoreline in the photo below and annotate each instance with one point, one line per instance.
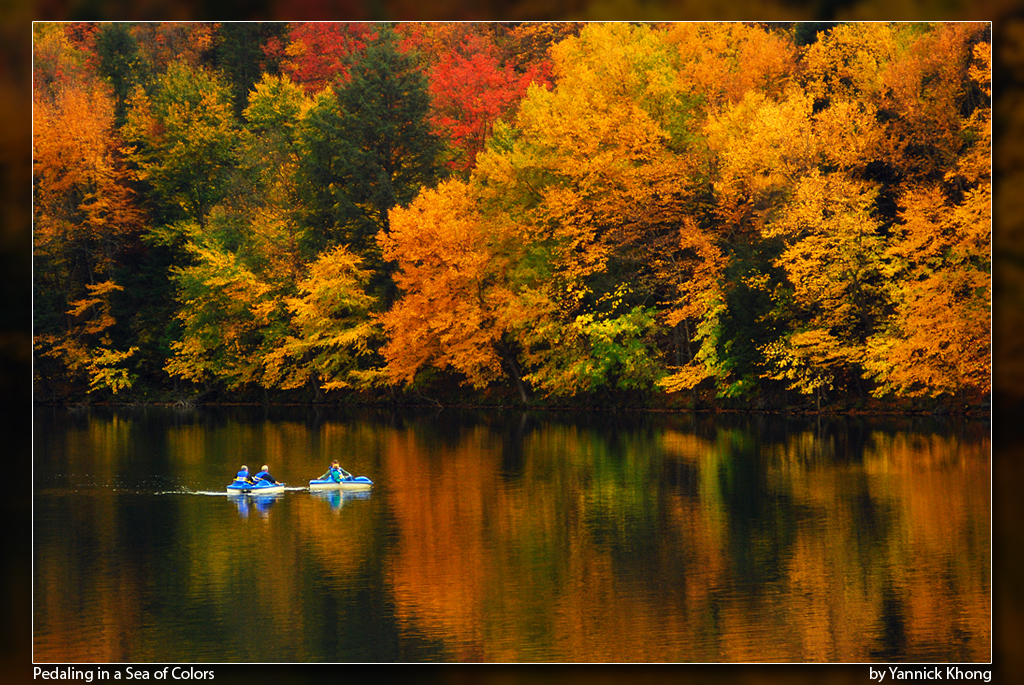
(941, 411)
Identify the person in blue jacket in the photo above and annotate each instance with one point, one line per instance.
(243, 475)
(265, 475)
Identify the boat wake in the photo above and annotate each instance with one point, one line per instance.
(186, 491)
(223, 493)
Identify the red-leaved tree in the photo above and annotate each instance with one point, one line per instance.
(471, 90)
(317, 53)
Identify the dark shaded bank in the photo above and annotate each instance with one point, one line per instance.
(444, 389)
(626, 402)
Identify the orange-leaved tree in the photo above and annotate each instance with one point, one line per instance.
(460, 303)
(938, 340)
(84, 215)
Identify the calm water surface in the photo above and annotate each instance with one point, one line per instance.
(508, 537)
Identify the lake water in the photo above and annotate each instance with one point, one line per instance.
(510, 537)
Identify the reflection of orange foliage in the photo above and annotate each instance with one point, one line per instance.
(932, 491)
(339, 542)
(941, 489)
(275, 443)
(686, 446)
(440, 576)
(115, 615)
(551, 562)
(603, 615)
(474, 546)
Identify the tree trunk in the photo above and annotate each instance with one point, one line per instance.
(515, 373)
(689, 352)
(677, 344)
(314, 386)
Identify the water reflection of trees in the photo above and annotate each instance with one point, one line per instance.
(512, 538)
(805, 542)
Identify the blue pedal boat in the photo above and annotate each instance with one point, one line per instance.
(260, 487)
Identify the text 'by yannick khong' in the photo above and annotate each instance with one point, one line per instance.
(930, 673)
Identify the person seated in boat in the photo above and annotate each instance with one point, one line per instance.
(333, 473)
(265, 475)
(243, 476)
(336, 473)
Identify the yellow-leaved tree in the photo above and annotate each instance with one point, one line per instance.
(225, 312)
(332, 328)
(832, 258)
(86, 347)
(760, 147)
(592, 172)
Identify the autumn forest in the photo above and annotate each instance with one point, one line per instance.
(758, 216)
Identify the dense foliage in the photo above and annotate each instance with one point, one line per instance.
(595, 211)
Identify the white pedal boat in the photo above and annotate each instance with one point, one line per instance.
(356, 484)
